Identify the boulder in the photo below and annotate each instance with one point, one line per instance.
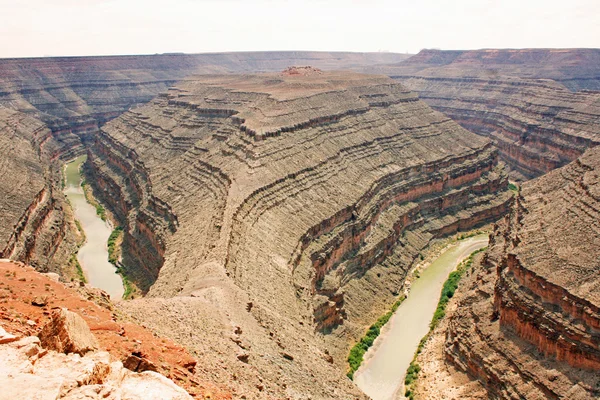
(67, 333)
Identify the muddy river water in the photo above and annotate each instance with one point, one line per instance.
(381, 375)
(93, 255)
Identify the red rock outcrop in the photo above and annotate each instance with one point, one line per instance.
(24, 315)
(308, 196)
(529, 325)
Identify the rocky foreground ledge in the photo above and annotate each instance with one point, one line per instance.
(60, 341)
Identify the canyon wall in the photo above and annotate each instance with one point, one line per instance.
(283, 211)
(518, 98)
(34, 221)
(529, 325)
(576, 69)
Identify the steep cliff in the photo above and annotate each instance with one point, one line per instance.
(34, 216)
(284, 211)
(528, 327)
(517, 98)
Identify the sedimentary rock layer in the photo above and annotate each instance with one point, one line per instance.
(297, 200)
(529, 327)
(33, 224)
(537, 124)
(76, 95)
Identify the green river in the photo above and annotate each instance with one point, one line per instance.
(381, 375)
(93, 255)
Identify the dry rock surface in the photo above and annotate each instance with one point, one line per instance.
(29, 371)
(67, 332)
(273, 217)
(527, 324)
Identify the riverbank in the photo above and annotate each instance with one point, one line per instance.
(447, 294)
(93, 253)
(382, 373)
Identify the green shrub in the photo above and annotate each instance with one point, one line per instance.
(357, 352)
(73, 260)
(112, 240)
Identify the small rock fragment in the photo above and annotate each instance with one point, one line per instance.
(40, 301)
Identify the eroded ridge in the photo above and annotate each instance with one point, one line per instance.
(529, 326)
(74, 96)
(300, 198)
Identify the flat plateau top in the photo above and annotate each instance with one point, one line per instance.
(285, 85)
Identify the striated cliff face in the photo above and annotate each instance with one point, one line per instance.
(517, 98)
(284, 211)
(76, 95)
(34, 221)
(529, 325)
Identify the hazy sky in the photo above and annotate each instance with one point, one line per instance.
(84, 27)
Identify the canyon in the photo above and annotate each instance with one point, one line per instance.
(51, 108)
(271, 213)
(540, 107)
